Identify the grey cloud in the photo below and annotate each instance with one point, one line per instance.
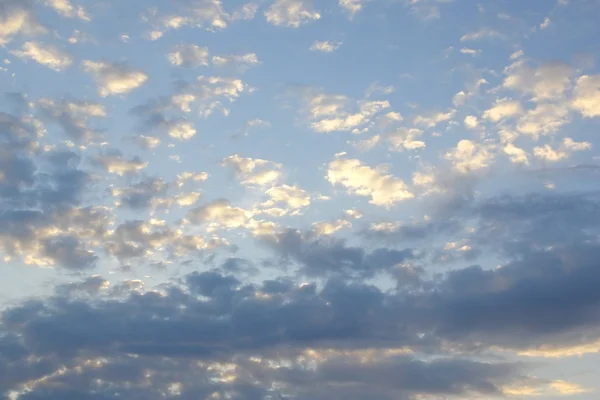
(331, 257)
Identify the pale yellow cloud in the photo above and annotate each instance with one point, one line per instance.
(586, 97)
(469, 156)
(45, 54)
(361, 180)
(325, 46)
(291, 13)
(114, 79)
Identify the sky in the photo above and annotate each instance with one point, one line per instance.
(299, 199)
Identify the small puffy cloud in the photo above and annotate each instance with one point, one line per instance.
(545, 24)
(291, 13)
(516, 154)
(332, 113)
(406, 139)
(284, 200)
(244, 60)
(325, 46)
(367, 144)
(47, 55)
(180, 129)
(246, 12)
(480, 34)
(547, 83)
(210, 91)
(470, 52)
(66, 9)
(147, 142)
(469, 156)
(586, 97)
(362, 180)
(253, 171)
(16, 17)
(117, 164)
(503, 108)
(351, 6)
(114, 79)
(471, 121)
(544, 119)
(433, 119)
(219, 214)
(189, 56)
(329, 228)
(568, 146)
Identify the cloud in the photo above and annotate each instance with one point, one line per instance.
(331, 113)
(219, 214)
(547, 153)
(73, 116)
(480, 34)
(253, 171)
(189, 56)
(17, 18)
(244, 60)
(284, 200)
(503, 108)
(469, 156)
(362, 180)
(116, 163)
(66, 9)
(47, 55)
(406, 139)
(352, 7)
(291, 13)
(325, 46)
(586, 97)
(114, 79)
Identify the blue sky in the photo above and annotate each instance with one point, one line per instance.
(298, 199)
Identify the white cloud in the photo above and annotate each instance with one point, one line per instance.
(329, 228)
(367, 144)
(469, 156)
(471, 121)
(544, 119)
(549, 82)
(219, 214)
(471, 52)
(480, 34)
(516, 154)
(503, 108)
(246, 12)
(119, 165)
(351, 6)
(47, 55)
(284, 200)
(338, 113)
(586, 97)
(147, 142)
(433, 119)
(189, 56)
(66, 9)
(568, 146)
(114, 79)
(545, 24)
(16, 19)
(325, 46)
(406, 139)
(247, 60)
(362, 180)
(253, 171)
(291, 13)
(181, 129)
